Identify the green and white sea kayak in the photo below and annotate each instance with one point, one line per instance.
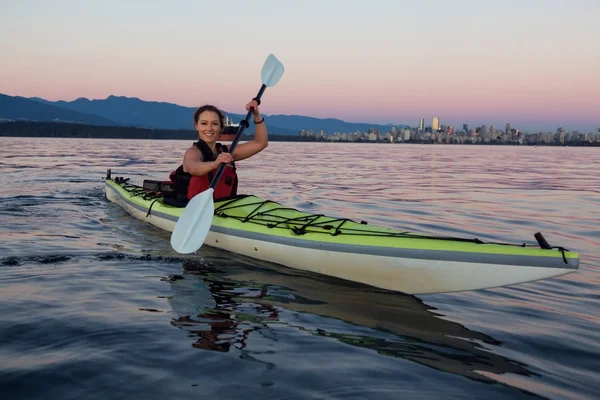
(376, 256)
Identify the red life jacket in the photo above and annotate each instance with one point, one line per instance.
(186, 186)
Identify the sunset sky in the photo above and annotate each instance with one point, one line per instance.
(535, 63)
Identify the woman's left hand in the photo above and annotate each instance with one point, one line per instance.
(253, 104)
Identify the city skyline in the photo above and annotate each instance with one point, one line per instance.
(392, 62)
(438, 124)
(447, 135)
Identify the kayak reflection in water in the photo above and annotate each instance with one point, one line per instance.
(220, 327)
(222, 308)
(203, 158)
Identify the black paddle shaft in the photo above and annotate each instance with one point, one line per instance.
(245, 123)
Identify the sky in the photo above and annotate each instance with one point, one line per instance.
(534, 63)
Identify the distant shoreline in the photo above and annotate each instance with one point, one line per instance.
(35, 129)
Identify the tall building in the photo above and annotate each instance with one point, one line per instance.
(560, 132)
(422, 124)
(466, 128)
(507, 129)
(435, 124)
(373, 132)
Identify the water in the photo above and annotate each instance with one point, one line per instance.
(95, 304)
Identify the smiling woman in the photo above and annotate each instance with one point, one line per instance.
(204, 157)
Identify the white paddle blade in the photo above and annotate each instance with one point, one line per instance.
(272, 71)
(194, 223)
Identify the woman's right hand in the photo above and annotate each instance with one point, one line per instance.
(223, 158)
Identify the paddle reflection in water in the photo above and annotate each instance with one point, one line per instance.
(222, 308)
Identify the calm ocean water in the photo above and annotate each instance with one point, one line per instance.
(95, 304)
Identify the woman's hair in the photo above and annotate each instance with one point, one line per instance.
(208, 107)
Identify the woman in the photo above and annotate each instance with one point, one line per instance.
(204, 157)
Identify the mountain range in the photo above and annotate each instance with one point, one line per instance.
(21, 108)
(134, 112)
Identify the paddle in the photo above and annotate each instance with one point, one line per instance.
(195, 221)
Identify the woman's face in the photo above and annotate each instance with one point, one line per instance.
(208, 126)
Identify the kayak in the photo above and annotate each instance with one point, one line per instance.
(356, 251)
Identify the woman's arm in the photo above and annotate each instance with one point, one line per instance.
(260, 141)
(193, 162)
